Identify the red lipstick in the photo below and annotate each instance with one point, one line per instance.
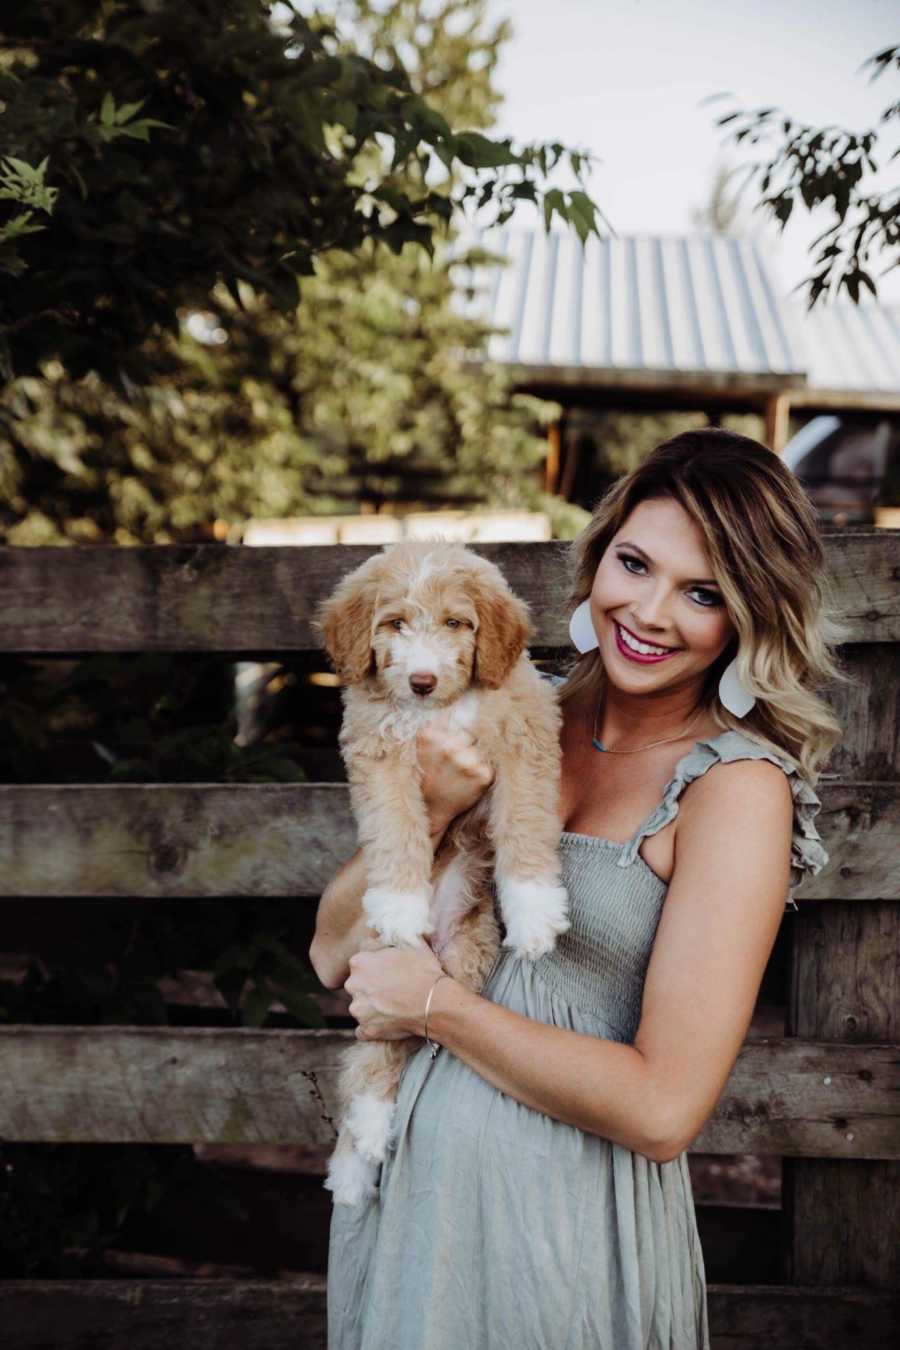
(642, 658)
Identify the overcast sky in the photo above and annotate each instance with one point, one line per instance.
(625, 79)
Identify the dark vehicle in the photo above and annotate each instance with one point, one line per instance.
(844, 463)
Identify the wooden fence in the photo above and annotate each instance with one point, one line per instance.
(824, 1096)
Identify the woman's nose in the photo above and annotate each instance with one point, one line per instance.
(651, 610)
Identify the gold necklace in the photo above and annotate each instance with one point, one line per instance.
(598, 744)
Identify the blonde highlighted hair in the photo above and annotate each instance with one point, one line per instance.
(766, 554)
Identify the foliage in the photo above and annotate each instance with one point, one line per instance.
(168, 147)
(366, 397)
(828, 167)
(152, 718)
(61, 1205)
(111, 973)
(373, 392)
(721, 211)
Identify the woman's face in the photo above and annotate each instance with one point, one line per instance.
(659, 615)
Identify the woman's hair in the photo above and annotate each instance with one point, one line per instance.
(766, 553)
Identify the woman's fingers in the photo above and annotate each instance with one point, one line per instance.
(454, 771)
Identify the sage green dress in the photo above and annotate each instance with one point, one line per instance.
(496, 1227)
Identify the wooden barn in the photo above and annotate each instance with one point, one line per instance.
(658, 323)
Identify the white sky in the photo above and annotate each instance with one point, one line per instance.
(625, 79)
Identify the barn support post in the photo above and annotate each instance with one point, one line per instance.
(778, 411)
(554, 452)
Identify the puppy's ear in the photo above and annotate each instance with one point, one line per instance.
(503, 629)
(345, 620)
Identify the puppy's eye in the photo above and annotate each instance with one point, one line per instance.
(397, 623)
(454, 623)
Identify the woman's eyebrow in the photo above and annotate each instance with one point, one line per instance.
(692, 581)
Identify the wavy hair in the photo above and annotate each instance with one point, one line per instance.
(766, 553)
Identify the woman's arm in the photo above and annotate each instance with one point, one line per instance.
(453, 777)
(717, 929)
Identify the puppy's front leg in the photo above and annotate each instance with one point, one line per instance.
(524, 826)
(396, 842)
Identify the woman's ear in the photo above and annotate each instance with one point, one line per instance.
(503, 629)
(345, 620)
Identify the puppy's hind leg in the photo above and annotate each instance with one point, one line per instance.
(368, 1084)
(351, 1177)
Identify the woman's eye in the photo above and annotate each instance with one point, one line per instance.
(626, 559)
(454, 623)
(708, 599)
(397, 623)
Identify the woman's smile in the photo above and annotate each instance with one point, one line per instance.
(632, 647)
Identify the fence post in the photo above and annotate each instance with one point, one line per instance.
(843, 1215)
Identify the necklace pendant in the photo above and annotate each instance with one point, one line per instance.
(598, 745)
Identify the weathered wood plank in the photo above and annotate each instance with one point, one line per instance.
(290, 1315)
(219, 839)
(260, 601)
(780, 1317)
(164, 840)
(844, 1216)
(160, 1314)
(868, 709)
(174, 1085)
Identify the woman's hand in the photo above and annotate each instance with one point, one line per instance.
(389, 988)
(454, 775)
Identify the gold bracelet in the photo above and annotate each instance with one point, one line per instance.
(434, 1045)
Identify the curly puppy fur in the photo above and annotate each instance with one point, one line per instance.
(422, 627)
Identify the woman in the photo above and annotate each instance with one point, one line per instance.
(538, 1194)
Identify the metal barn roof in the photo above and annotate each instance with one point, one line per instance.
(853, 346)
(655, 309)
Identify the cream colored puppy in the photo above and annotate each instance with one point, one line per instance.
(422, 628)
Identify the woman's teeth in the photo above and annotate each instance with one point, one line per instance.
(643, 648)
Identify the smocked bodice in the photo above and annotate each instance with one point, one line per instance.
(615, 898)
(600, 964)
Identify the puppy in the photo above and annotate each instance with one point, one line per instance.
(428, 626)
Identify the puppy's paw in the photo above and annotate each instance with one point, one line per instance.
(535, 913)
(369, 1119)
(351, 1178)
(401, 917)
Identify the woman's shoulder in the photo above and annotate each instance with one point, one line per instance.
(734, 784)
(733, 778)
(748, 789)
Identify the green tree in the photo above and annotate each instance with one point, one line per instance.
(151, 148)
(372, 391)
(829, 168)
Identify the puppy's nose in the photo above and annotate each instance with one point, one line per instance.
(422, 682)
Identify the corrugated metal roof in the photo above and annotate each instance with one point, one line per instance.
(853, 346)
(700, 303)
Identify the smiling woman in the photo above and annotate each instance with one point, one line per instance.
(707, 555)
(539, 1163)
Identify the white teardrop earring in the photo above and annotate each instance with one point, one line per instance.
(733, 695)
(581, 629)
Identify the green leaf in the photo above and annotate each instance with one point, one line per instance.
(481, 153)
(553, 201)
(256, 1005)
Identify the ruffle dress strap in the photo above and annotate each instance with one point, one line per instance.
(808, 857)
